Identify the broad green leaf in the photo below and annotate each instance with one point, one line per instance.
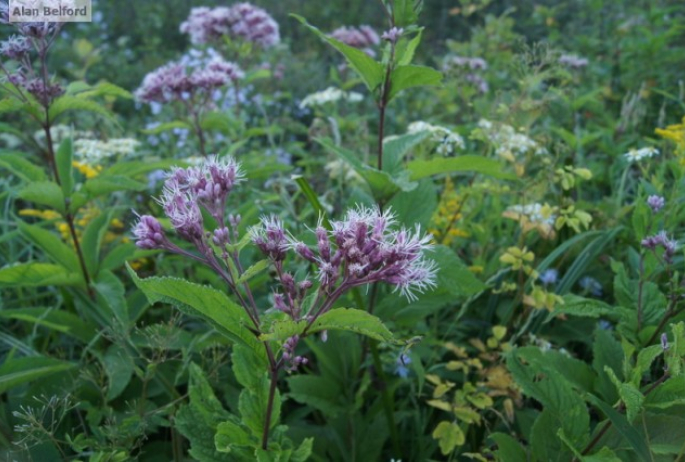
(449, 436)
(193, 299)
(395, 149)
(453, 275)
(118, 365)
(107, 184)
(303, 451)
(644, 361)
(92, 240)
(112, 295)
(54, 319)
(253, 406)
(319, 393)
(10, 104)
(198, 420)
(415, 207)
(607, 352)
(52, 245)
(83, 90)
(508, 449)
(409, 76)
(17, 371)
(406, 48)
(668, 394)
(63, 159)
(352, 320)
(44, 193)
(250, 367)
(283, 329)
(370, 71)
(68, 103)
(469, 163)
(138, 168)
(632, 398)
(633, 437)
(406, 12)
(37, 275)
(603, 455)
(17, 163)
(219, 121)
(118, 256)
(230, 435)
(583, 307)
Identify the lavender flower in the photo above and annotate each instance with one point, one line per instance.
(15, 47)
(591, 285)
(661, 239)
(664, 342)
(242, 21)
(362, 37)
(392, 35)
(368, 251)
(270, 237)
(656, 203)
(173, 82)
(149, 234)
(469, 69)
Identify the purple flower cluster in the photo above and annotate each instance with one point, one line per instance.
(573, 61)
(15, 47)
(661, 239)
(469, 69)
(242, 21)
(185, 191)
(656, 203)
(172, 82)
(361, 249)
(362, 37)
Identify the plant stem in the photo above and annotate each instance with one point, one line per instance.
(269, 406)
(388, 399)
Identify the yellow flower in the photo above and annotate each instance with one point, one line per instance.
(86, 170)
(443, 224)
(44, 214)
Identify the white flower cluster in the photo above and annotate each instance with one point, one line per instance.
(508, 142)
(636, 155)
(94, 152)
(535, 213)
(446, 139)
(330, 95)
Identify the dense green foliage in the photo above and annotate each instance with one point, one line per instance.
(542, 144)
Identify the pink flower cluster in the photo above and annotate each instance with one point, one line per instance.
(173, 82)
(470, 69)
(361, 249)
(362, 37)
(242, 21)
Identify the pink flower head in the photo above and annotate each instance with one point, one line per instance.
(271, 238)
(149, 234)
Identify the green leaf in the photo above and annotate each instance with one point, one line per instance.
(576, 305)
(320, 393)
(107, 184)
(409, 76)
(303, 451)
(118, 366)
(417, 206)
(632, 398)
(38, 275)
(52, 245)
(92, 241)
(607, 352)
(644, 361)
(199, 419)
(395, 149)
(283, 329)
(117, 256)
(16, 163)
(17, 371)
(370, 71)
(406, 48)
(69, 103)
(10, 104)
(230, 435)
(508, 448)
(633, 437)
(63, 159)
(44, 193)
(111, 294)
(193, 299)
(469, 163)
(603, 455)
(406, 12)
(449, 436)
(453, 275)
(313, 199)
(253, 270)
(83, 90)
(668, 394)
(253, 406)
(352, 320)
(53, 319)
(250, 367)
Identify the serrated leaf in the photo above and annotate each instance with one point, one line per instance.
(352, 320)
(17, 371)
(624, 428)
(668, 394)
(508, 449)
(100, 89)
(584, 307)
(632, 398)
(395, 149)
(118, 366)
(111, 294)
(469, 163)
(283, 329)
(230, 435)
(38, 275)
(409, 76)
(44, 193)
(449, 436)
(249, 367)
(52, 245)
(193, 299)
(199, 419)
(16, 163)
(253, 406)
(370, 71)
(406, 12)
(406, 48)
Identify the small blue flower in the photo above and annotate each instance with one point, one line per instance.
(401, 368)
(549, 276)
(591, 285)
